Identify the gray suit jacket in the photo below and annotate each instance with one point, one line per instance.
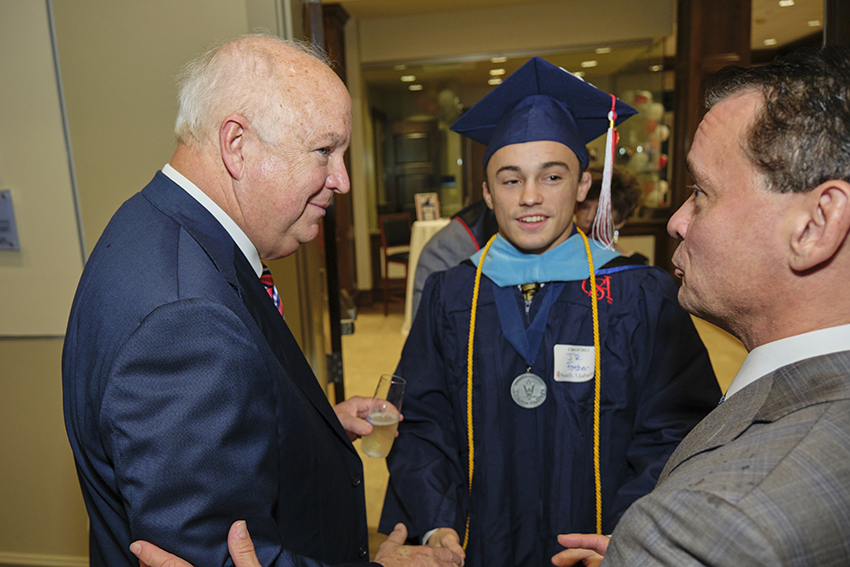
(763, 480)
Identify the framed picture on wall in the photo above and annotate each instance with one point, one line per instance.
(427, 206)
(8, 230)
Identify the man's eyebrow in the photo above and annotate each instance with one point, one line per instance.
(549, 164)
(330, 139)
(508, 168)
(339, 140)
(692, 169)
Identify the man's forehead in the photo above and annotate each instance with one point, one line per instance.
(535, 155)
(731, 116)
(323, 97)
(739, 109)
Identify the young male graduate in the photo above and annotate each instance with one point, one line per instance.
(507, 403)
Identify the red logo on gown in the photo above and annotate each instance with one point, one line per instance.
(603, 288)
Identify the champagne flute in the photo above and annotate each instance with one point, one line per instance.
(384, 411)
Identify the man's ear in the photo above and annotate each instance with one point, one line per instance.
(584, 183)
(824, 226)
(231, 141)
(488, 198)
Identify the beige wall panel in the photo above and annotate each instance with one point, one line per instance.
(37, 281)
(362, 172)
(119, 61)
(42, 508)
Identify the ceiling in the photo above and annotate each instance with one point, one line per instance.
(770, 21)
(784, 24)
(388, 8)
(475, 72)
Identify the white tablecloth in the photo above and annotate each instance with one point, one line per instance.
(420, 234)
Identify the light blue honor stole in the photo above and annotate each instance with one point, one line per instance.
(506, 267)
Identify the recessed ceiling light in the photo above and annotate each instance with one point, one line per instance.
(415, 87)
(770, 42)
(408, 78)
(814, 23)
(591, 63)
(656, 68)
(785, 3)
(494, 81)
(497, 72)
(579, 74)
(498, 59)
(400, 67)
(603, 50)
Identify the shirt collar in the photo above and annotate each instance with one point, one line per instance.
(768, 357)
(236, 233)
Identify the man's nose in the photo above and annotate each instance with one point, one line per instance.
(338, 179)
(530, 193)
(677, 226)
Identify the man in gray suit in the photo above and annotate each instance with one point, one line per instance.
(765, 254)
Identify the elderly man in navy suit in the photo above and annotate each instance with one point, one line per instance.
(188, 403)
(765, 253)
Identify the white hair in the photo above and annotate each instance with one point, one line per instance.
(241, 76)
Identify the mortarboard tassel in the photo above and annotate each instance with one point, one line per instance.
(603, 224)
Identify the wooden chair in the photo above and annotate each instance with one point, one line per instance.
(395, 233)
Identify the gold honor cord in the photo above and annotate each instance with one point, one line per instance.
(469, 379)
(597, 390)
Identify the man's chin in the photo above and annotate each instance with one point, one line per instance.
(528, 246)
(687, 302)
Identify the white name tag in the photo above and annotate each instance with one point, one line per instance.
(574, 363)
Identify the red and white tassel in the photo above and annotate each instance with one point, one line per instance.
(603, 224)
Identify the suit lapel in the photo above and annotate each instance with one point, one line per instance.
(197, 221)
(804, 383)
(808, 382)
(202, 226)
(283, 344)
(722, 425)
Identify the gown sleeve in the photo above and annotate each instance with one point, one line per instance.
(425, 464)
(676, 384)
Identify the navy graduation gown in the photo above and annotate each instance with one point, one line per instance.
(533, 476)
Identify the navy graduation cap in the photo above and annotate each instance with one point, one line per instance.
(538, 102)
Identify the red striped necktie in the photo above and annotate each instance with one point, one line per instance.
(268, 283)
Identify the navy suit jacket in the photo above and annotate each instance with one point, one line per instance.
(189, 404)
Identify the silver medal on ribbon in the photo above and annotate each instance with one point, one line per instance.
(528, 390)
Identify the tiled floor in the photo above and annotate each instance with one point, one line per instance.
(375, 347)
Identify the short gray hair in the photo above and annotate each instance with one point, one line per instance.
(239, 76)
(800, 138)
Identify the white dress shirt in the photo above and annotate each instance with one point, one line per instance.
(768, 357)
(236, 233)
